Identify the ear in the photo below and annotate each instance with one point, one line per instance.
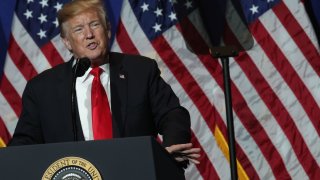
(66, 42)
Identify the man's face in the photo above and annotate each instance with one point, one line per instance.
(87, 37)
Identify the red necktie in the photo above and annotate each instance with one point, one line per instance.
(101, 115)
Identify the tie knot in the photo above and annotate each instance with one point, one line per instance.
(96, 71)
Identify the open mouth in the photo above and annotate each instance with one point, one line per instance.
(92, 45)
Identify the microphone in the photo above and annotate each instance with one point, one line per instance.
(81, 66)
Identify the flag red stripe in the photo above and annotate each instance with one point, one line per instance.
(207, 173)
(124, 40)
(51, 54)
(279, 112)
(20, 60)
(299, 36)
(281, 63)
(10, 93)
(208, 112)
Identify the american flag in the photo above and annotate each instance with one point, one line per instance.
(275, 85)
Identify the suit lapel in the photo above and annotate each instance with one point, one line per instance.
(118, 86)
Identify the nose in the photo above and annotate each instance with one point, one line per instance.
(89, 33)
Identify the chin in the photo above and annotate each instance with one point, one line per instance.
(93, 56)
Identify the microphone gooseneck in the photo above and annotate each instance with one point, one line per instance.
(81, 66)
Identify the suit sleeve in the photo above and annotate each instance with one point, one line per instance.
(28, 130)
(172, 120)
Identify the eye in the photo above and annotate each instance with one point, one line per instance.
(95, 24)
(77, 30)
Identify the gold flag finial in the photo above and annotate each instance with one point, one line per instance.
(2, 144)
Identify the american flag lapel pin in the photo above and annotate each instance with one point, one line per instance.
(122, 76)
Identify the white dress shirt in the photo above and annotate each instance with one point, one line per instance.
(83, 88)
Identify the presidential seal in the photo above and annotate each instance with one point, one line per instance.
(71, 168)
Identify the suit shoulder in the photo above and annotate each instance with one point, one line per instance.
(51, 74)
(132, 58)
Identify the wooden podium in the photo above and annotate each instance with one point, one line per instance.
(140, 158)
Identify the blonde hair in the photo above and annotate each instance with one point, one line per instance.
(76, 7)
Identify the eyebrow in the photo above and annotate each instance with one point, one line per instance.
(81, 25)
(77, 26)
(94, 21)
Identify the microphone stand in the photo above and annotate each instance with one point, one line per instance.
(224, 53)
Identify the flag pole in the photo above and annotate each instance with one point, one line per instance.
(224, 53)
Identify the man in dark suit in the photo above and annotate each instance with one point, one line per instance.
(140, 102)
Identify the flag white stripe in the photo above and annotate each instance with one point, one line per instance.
(7, 114)
(14, 76)
(28, 46)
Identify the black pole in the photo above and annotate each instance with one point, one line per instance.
(228, 101)
(224, 53)
(73, 101)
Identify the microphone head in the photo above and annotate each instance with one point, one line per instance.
(83, 66)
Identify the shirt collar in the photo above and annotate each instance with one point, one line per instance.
(104, 67)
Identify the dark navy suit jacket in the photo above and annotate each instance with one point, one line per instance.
(142, 104)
